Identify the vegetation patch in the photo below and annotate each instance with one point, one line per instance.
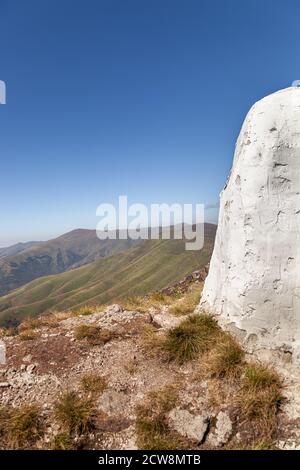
(188, 303)
(226, 358)
(87, 310)
(144, 303)
(93, 383)
(93, 334)
(75, 414)
(193, 337)
(63, 441)
(28, 335)
(152, 428)
(260, 395)
(21, 427)
(35, 323)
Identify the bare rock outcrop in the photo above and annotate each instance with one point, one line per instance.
(254, 278)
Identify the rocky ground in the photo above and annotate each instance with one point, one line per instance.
(145, 399)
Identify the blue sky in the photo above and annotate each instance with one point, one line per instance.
(136, 97)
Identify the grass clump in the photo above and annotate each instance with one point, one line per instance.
(21, 427)
(264, 445)
(87, 310)
(133, 303)
(152, 428)
(192, 337)
(143, 303)
(74, 413)
(27, 335)
(63, 441)
(93, 383)
(93, 334)
(259, 376)
(226, 358)
(35, 323)
(260, 397)
(187, 304)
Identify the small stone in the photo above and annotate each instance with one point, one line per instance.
(223, 430)
(115, 308)
(188, 425)
(2, 353)
(4, 384)
(30, 368)
(113, 402)
(27, 358)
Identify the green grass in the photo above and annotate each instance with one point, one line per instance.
(192, 337)
(150, 266)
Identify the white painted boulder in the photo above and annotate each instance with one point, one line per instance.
(254, 278)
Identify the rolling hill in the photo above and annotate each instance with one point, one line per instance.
(66, 252)
(151, 265)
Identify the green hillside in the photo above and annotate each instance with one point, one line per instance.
(22, 263)
(149, 266)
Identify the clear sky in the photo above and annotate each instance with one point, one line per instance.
(136, 97)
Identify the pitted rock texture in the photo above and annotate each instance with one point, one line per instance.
(254, 277)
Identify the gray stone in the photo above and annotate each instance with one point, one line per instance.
(4, 384)
(188, 425)
(223, 430)
(30, 368)
(27, 358)
(113, 402)
(2, 352)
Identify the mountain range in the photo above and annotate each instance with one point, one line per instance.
(113, 269)
(25, 262)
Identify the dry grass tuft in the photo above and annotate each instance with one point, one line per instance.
(63, 441)
(143, 304)
(260, 397)
(35, 323)
(259, 376)
(88, 310)
(226, 358)
(93, 383)
(264, 445)
(21, 427)
(28, 335)
(93, 334)
(131, 366)
(193, 337)
(75, 414)
(152, 428)
(187, 304)
(152, 340)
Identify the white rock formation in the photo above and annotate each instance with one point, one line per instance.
(254, 276)
(2, 353)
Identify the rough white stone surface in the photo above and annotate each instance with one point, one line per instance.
(188, 425)
(254, 277)
(223, 430)
(2, 352)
